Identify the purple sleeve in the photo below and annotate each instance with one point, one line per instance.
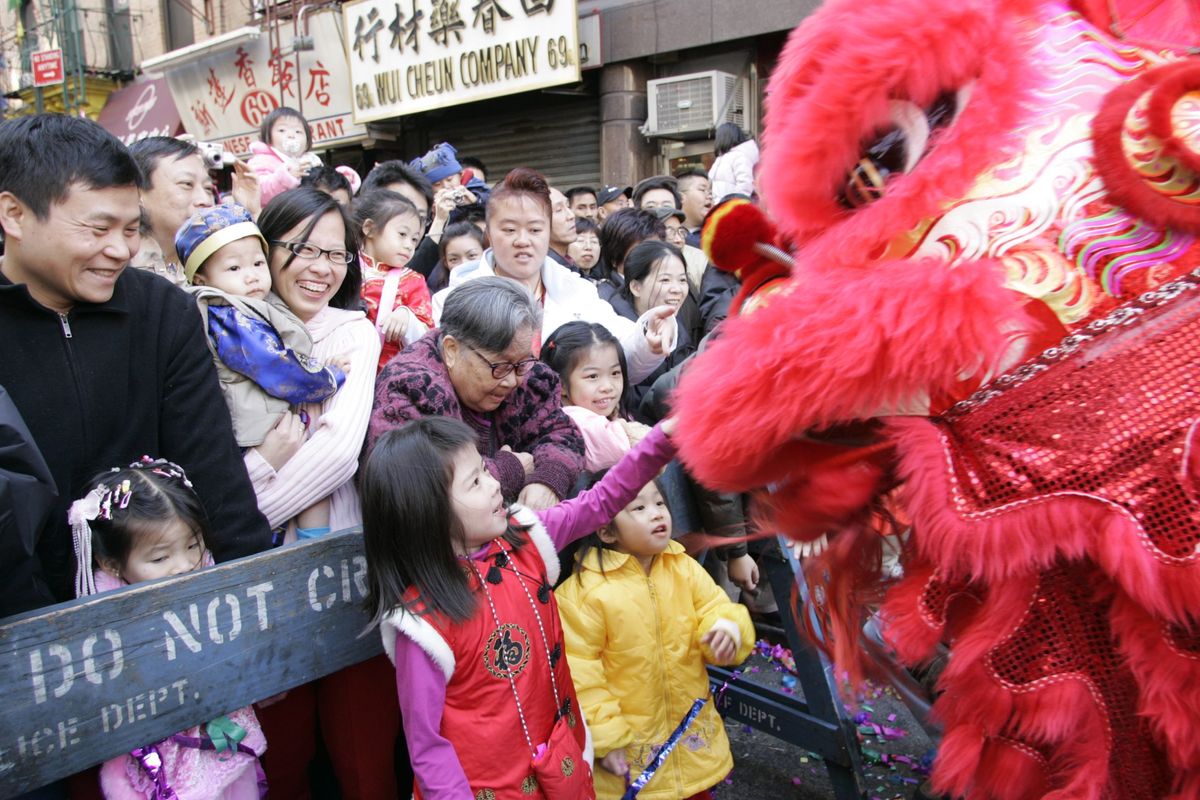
(506, 468)
(575, 518)
(421, 687)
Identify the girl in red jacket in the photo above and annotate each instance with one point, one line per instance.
(397, 298)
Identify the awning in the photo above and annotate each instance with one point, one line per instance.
(139, 110)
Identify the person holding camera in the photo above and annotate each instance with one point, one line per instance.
(457, 194)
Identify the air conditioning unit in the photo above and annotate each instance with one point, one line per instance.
(690, 106)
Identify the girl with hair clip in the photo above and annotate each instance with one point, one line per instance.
(140, 524)
(641, 620)
(460, 586)
(397, 299)
(595, 384)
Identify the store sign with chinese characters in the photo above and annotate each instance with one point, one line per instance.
(224, 98)
(416, 55)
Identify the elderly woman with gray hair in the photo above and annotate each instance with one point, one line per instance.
(479, 367)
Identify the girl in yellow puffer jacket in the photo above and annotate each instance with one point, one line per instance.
(640, 620)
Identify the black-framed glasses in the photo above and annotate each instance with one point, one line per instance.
(502, 369)
(310, 251)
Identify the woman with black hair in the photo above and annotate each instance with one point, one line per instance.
(314, 269)
(655, 275)
(733, 171)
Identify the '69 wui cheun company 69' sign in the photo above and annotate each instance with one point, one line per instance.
(415, 55)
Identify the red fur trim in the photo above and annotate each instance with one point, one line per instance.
(1015, 770)
(957, 760)
(840, 346)
(1169, 681)
(1021, 537)
(1128, 188)
(1187, 786)
(1175, 80)
(730, 233)
(829, 92)
(911, 633)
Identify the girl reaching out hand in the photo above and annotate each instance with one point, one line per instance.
(641, 619)
(460, 586)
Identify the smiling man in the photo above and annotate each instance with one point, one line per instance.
(105, 363)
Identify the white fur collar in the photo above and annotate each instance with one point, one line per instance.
(421, 632)
(530, 521)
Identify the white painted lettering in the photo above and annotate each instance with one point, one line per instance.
(189, 638)
(258, 592)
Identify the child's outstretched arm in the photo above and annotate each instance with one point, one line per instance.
(584, 634)
(421, 688)
(579, 516)
(253, 348)
(725, 632)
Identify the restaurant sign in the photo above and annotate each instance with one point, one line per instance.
(225, 97)
(417, 55)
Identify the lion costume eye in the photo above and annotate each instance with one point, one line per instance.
(899, 148)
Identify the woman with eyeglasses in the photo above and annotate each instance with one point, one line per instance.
(480, 367)
(312, 455)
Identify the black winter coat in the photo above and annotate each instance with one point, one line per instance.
(110, 382)
(27, 495)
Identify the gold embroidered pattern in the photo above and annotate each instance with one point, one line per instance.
(529, 785)
(568, 766)
(485, 794)
(507, 652)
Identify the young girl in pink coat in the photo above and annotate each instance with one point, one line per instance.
(284, 155)
(138, 524)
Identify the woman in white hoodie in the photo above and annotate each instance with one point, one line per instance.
(518, 220)
(737, 156)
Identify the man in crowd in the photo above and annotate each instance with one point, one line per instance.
(582, 200)
(104, 364)
(695, 194)
(654, 192)
(610, 200)
(177, 186)
(478, 170)
(562, 228)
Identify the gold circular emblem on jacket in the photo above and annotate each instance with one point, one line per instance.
(506, 653)
(529, 785)
(568, 766)
(485, 794)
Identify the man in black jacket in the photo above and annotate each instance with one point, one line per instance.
(105, 363)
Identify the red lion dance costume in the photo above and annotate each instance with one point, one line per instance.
(973, 189)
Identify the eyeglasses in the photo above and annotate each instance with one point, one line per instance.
(310, 251)
(676, 233)
(502, 369)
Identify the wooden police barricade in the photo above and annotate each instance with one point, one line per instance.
(818, 723)
(88, 680)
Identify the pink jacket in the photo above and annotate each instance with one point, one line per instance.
(271, 166)
(194, 774)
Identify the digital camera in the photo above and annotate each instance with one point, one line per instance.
(215, 155)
